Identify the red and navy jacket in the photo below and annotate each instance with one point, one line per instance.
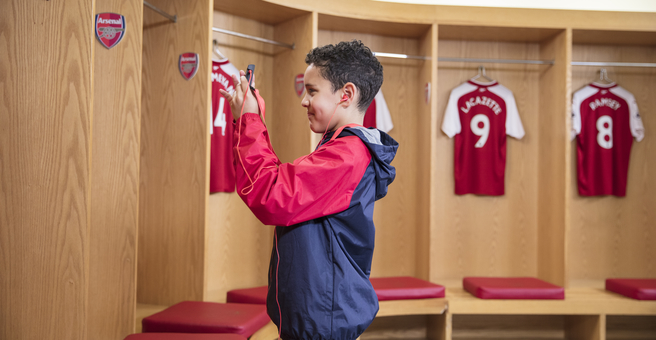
(322, 205)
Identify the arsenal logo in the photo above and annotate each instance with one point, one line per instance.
(299, 84)
(110, 28)
(188, 65)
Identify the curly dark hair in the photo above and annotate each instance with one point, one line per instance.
(349, 61)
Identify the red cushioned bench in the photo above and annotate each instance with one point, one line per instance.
(208, 317)
(396, 295)
(639, 289)
(183, 336)
(512, 288)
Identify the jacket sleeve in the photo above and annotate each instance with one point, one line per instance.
(313, 186)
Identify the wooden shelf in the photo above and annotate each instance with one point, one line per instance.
(389, 29)
(487, 33)
(578, 301)
(602, 37)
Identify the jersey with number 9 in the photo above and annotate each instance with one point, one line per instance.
(480, 115)
(605, 118)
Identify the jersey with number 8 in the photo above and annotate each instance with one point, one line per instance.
(605, 118)
(480, 115)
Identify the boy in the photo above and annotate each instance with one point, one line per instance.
(322, 204)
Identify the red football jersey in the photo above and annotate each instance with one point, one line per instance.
(480, 115)
(222, 172)
(605, 118)
(378, 114)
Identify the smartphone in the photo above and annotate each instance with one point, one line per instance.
(249, 75)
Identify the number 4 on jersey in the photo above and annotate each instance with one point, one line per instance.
(220, 120)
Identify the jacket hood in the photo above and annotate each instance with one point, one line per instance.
(383, 149)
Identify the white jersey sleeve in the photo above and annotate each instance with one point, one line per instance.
(451, 122)
(514, 127)
(635, 122)
(383, 116)
(577, 99)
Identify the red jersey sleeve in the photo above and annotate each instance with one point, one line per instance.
(313, 186)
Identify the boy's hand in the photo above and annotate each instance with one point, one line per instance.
(237, 98)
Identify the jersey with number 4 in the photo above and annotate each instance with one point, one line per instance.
(605, 118)
(222, 171)
(480, 115)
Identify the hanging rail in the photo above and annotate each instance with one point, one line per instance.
(220, 30)
(621, 64)
(162, 13)
(400, 56)
(467, 60)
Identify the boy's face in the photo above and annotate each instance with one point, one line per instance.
(319, 100)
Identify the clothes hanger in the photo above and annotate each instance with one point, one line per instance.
(481, 74)
(215, 49)
(603, 77)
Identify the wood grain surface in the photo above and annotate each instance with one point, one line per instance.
(611, 236)
(488, 235)
(238, 244)
(552, 175)
(46, 102)
(396, 216)
(115, 177)
(174, 155)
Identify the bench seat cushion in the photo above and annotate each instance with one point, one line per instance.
(515, 288)
(387, 288)
(255, 295)
(405, 288)
(639, 289)
(183, 336)
(208, 317)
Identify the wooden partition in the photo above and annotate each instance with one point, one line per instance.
(69, 155)
(611, 236)
(397, 216)
(115, 177)
(488, 235)
(174, 155)
(235, 236)
(45, 177)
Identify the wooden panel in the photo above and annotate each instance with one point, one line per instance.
(396, 327)
(390, 29)
(585, 327)
(115, 177)
(258, 10)
(488, 235)
(554, 114)
(630, 327)
(238, 245)
(427, 75)
(45, 117)
(578, 301)
(611, 236)
(174, 151)
(286, 119)
(440, 327)
(507, 34)
(603, 37)
(508, 327)
(412, 307)
(396, 216)
(478, 16)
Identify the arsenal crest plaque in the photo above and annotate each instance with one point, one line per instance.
(188, 65)
(299, 84)
(110, 28)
